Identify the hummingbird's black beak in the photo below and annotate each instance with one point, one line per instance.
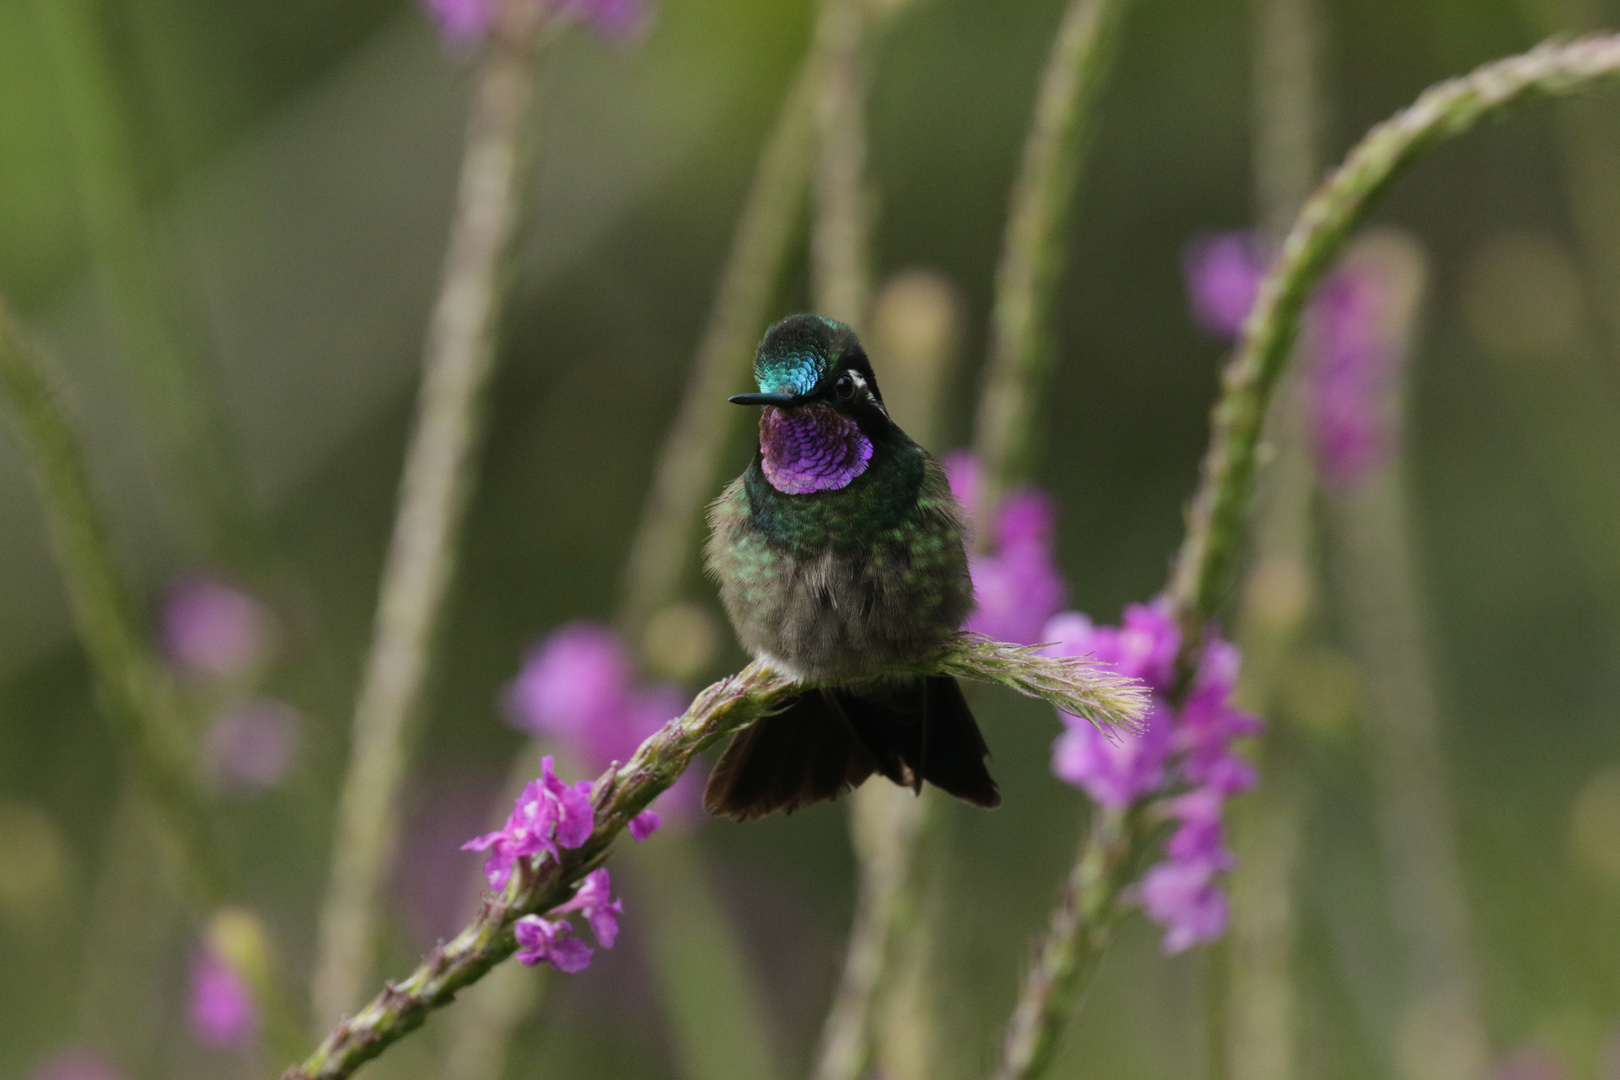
(763, 399)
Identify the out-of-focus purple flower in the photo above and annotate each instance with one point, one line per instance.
(1359, 324)
(221, 1009)
(547, 815)
(1354, 349)
(465, 22)
(1017, 584)
(613, 19)
(462, 22)
(1186, 899)
(1210, 727)
(212, 630)
(1191, 749)
(552, 942)
(250, 745)
(578, 687)
(1223, 274)
(77, 1063)
(645, 824)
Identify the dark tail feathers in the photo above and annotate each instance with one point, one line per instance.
(828, 741)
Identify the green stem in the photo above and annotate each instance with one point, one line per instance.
(438, 479)
(136, 273)
(1032, 248)
(1218, 511)
(840, 234)
(1445, 111)
(685, 476)
(1081, 926)
(135, 693)
(1072, 685)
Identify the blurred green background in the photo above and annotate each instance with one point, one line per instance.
(300, 158)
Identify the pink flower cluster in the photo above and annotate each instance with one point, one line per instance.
(1190, 749)
(553, 940)
(578, 687)
(1354, 360)
(1017, 584)
(550, 815)
(465, 22)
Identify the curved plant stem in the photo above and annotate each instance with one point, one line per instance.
(134, 268)
(1449, 109)
(1032, 247)
(1216, 518)
(134, 691)
(840, 233)
(438, 480)
(1072, 685)
(685, 477)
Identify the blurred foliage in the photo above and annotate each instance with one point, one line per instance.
(303, 154)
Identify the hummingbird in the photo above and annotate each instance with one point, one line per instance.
(840, 561)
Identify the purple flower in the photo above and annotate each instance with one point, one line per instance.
(249, 746)
(212, 630)
(77, 1063)
(221, 1009)
(1223, 275)
(645, 824)
(594, 902)
(1191, 748)
(465, 22)
(578, 687)
(1116, 767)
(553, 942)
(1017, 585)
(548, 814)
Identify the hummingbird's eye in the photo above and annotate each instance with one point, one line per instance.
(845, 387)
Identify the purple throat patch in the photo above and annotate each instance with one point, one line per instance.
(813, 448)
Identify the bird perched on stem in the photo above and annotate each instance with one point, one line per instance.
(840, 561)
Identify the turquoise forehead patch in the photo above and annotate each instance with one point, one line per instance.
(797, 374)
